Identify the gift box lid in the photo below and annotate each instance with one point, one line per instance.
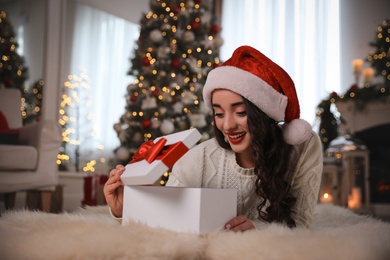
(166, 150)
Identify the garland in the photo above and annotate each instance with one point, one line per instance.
(327, 111)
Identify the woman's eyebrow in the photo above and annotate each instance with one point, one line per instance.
(232, 105)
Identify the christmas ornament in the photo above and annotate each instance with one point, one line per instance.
(146, 123)
(166, 27)
(189, 36)
(145, 61)
(163, 51)
(218, 41)
(137, 137)
(214, 29)
(178, 107)
(118, 127)
(130, 87)
(133, 98)
(122, 136)
(149, 103)
(187, 97)
(190, 4)
(195, 25)
(176, 10)
(155, 123)
(203, 109)
(156, 36)
(122, 153)
(167, 127)
(198, 120)
(175, 63)
(162, 110)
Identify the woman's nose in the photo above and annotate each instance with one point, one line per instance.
(229, 122)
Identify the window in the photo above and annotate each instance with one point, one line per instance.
(302, 36)
(101, 46)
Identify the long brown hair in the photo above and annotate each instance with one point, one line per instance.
(273, 167)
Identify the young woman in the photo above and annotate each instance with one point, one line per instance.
(261, 147)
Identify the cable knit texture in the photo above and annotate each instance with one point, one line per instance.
(209, 166)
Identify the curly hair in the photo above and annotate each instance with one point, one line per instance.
(273, 175)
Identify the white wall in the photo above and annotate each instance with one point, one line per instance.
(359, 21)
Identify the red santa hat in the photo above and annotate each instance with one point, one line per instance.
(257, 78)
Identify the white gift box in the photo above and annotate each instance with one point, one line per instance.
(197, 210)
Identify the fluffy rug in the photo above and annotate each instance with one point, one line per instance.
(92, 233)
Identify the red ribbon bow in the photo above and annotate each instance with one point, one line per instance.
(149, 150)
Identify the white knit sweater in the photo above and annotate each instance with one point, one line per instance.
(209, 166)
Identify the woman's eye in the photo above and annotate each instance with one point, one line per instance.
(243, 113)
(218, 115)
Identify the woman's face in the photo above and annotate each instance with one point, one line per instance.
(231, 119)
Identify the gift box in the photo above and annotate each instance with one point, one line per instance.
(182, 209)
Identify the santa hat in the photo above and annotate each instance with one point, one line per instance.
(255, 77)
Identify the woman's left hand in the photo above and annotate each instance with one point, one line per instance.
(239, 223)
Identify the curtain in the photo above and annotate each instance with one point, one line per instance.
(102, 45)
(301, 36)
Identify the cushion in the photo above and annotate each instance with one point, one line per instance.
(18, 157)
(7, 135)
(3, 121)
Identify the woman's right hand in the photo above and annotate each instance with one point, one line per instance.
(113, 191)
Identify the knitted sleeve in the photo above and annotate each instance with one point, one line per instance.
(306, 182)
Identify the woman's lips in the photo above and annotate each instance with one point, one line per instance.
(236, 138)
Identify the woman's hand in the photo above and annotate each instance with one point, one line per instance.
(239, 223)
(113, 190)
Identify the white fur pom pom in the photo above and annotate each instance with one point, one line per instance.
(296, 131)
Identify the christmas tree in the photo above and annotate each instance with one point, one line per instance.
(178, 45)
(13, 72)
(380, 57)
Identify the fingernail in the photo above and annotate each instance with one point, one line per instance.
(228, 226)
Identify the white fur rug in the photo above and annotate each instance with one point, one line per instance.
(92, 233)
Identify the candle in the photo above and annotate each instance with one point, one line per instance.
(368, 74)
(354, 200)
(326, 198)
(357, 66)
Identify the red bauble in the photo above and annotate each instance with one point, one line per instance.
(146, 123)
(195, 25)
(198, 1)
(133, 98)
(145, 61)
(8, 83)
(175, 63)
(333, 94)
(155, 92)
(215, 29)
(354, 87)
(176, 10)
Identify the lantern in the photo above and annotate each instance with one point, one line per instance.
(345, 179)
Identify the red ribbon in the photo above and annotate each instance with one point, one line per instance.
(148, 151)
(151, 151)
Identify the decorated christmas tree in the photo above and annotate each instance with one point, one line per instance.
(178, 45)
(360, 94)
(380, 57)
(13, 72)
